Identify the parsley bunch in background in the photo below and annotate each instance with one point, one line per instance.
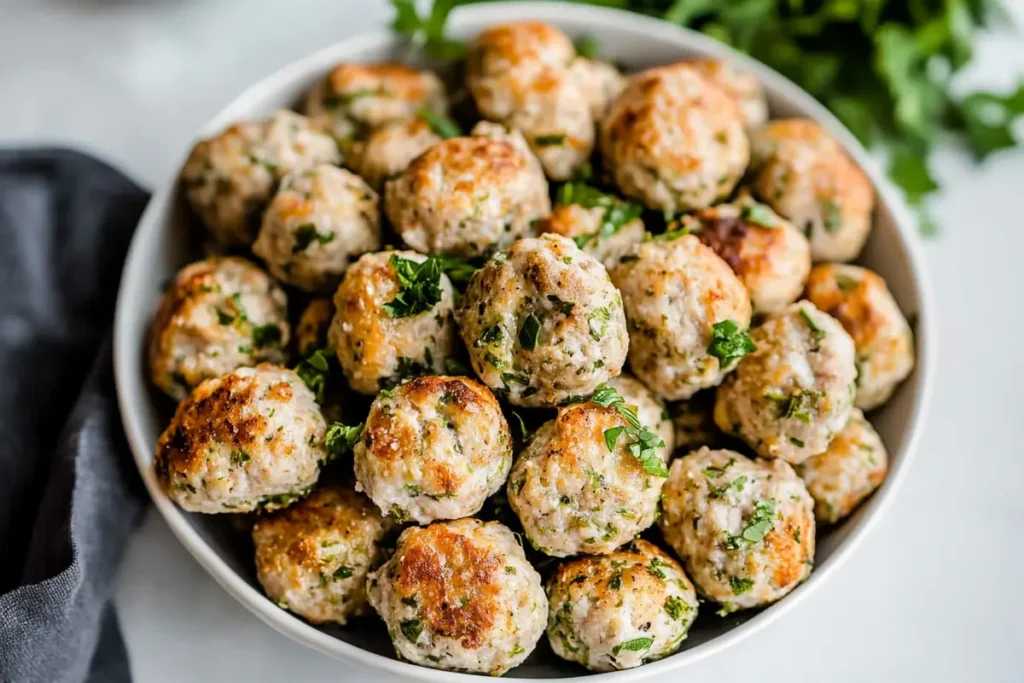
(884, 67)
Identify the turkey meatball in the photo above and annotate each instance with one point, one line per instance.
(311, 331)
(460, 596)
(674, 141)
(356, 99)
(434, 448)
(600, 82)
(577, 487)
(319, 221)
(312, 559)
(694, 422)
(740, 85)
(860, 300)
(381, 331)
(603, 225)
(744, 528)
(620, 610)
(805, 175)
(648, 407)
(467, 197)
(679, 297)
(229, 178)
(790, 397)
(219, 314)
(770, 256)
(251, 439)
(848, 472)
(519, 75)
(543, 323)
(390, 149)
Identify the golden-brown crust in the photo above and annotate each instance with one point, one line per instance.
(744, 245)
(456, 581)
(311, 331)
(853, 307)
(190, 281)
(586, 422)
(399, 80)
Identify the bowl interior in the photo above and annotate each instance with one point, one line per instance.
(164, 242)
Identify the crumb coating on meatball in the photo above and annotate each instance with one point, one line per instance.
(460, 596)
(219, 314)
(744, 528)
(618, 611)
(577, 487)
(433, 448)
(313, 557)
(251, 439)
(543, 323)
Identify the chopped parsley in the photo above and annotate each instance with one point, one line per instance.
(740, 586)
(759, 214)
(729, 343)
(341, 438)
(676, 607)
(313, 370)
(816, 331)
(411, 629)
(847, 284)
(796, 406)
(458, 270)
(655, 568)
(408, 368)
(615, 583)
(306, 233)
(454, 366)
(833, 216)
(634, 645)
(759, 524)
(565, 307)
(410, 600)
(442, 126)
(617, 211)
(598, 322)
(738, 483)
(529, 332)
(550, 140)
(419, 286)
(796, 442)
(266, 335)
(342, 572)
(239, 457)
(642, 441)
(715, 472)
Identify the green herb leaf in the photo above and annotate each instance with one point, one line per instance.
(816, 331)
(529, 332)
(266, 335)
(676, 607)
(342, 572)
(314, 371)
(442, 126)
(419, 286)
(643, 441)
(341, 438)
(617, 212)
(305, 234)
(550, 140)
(586, 47)
(759, 214)
(454, 366)
(634, 645)
(740, 586)
(729, 343)
(611, 436)
(239, 457)
(411, 629)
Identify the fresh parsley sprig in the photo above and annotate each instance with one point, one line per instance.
(419, 286)
(643, 443)
(729, 343)
(314, 370)
(617, 211)
(341, 438)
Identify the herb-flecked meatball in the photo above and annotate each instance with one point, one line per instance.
(740, 85)
(466, 196)
(744, 528)
(311, 330)
(384, 330)
(312, 558)
(219, 314)
(603, 225)
(356, 99)
(519, 75)
(769, 256)
(790, 397)
(390, 149)
(850, 470)
(674, 141)
(600, 82)
(617, 611)
(860, 300)
(805, 175)
(433, 448)
(251, 439)
(318, 222)
(460, 596)
(648, 407)
(230, 177)
(577, 487)
(543, 323)
(679, 296)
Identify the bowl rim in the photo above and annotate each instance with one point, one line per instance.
(129, 393)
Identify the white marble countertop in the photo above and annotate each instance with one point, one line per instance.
(934, 593)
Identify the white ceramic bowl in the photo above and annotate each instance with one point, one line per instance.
(161, 246)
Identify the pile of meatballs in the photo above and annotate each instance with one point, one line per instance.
(651, 275)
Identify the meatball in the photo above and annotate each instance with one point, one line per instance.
(318, 222)
(502, 133)
(467, 197)
(311, 331)
(791, 396)
(219, 314)
(390, 149)
(603, 225)
(674, 141)
(312, 559)
(740, 85)
(860, 300)
(434, 448)
(694, 422)
(848, 472)
(251, 439)
(577, 487)
(620, 610)
(543, 323)
(649, 408)
(229, 178)
(384, 330)
(744, 528)
(805, 175)
(460, 596)
(600, 82)
(680, 298)
(519, 75)
(770, 256)
(356, 99)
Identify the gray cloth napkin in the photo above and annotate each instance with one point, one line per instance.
(69, 493)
